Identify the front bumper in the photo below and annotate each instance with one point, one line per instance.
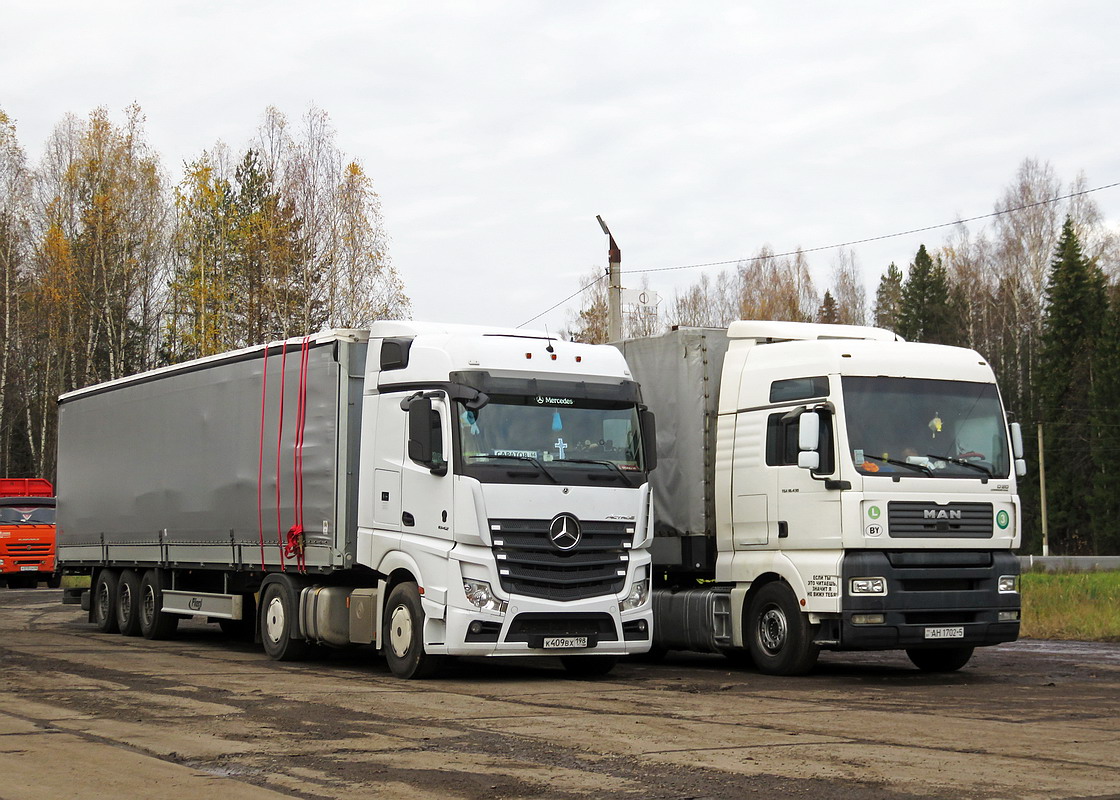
(929, 594)
(526, 626)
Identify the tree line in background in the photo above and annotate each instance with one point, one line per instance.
(1037, 292)
(108, 269)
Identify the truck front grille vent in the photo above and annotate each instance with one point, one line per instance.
(529, 564)
(911, 520)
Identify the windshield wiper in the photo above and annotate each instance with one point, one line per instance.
(535, 462)
(918, 467)
(609, 464)
(962, 462)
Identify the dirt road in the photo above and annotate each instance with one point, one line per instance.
(95, 715)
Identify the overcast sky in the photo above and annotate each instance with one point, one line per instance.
(496, 131)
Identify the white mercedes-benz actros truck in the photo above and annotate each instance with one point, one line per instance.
(829, 486)
(432, 490)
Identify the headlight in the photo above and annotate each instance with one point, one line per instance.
(1009, 616)
(1008, 584)
(867, 586)
(639, 594)
(481, 596)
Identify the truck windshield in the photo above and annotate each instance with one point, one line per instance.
(26, 515)
(550, 440)
(925, 428)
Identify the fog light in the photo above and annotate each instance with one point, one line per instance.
(867, 586)
(639, 594)
(481, 596)
(1009, 616)
(1008, 584)
(868, 619)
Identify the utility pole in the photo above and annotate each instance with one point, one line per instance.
(614, 290)
(1042, 493)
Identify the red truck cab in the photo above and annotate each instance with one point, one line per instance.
(27, 536)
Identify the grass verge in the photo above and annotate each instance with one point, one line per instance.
(1071, 605)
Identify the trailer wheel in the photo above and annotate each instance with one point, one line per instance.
(103, 606)
(127, 607)
(278, 618)
(403, 635)
(155, 623)
(942, 659)
(588, 666)
(779, 636)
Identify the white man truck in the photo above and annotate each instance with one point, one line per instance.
(431, 490)
(829, 486)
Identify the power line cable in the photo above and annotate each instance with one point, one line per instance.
(841, 244)
(562, 302)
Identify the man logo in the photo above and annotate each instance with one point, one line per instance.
(564, 532)
(941, 513)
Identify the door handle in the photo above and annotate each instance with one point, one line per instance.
(408, 519)
(783, 529)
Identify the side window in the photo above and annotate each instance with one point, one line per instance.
(782, 447)
(798, 389)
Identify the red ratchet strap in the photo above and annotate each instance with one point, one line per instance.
(279, 442)
(295, 545)
(260, 462)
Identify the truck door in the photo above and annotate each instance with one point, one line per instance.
(753, 500)
(808, 512)
(426, 482)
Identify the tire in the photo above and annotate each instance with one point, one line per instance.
(402, 635)
(942, 659)
(154, 622)
(55, 580)
(103, 603)
(278, 619)
(127, 607)
(778, 634)
(588, 666)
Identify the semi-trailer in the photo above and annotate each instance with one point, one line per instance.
(829, 487)
(431, 490)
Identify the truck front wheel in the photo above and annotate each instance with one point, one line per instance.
(403, 635)
(941, 659)
(104, 603)
(779, 636)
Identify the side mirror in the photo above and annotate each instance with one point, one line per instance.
(1017, 449)
(1016, 439)
(808, 440)
(649, 438)
(423, 430)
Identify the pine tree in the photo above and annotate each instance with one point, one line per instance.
(1071, 329)
(828, 314)
(888, 299)
(1104, 501)
(926, 311)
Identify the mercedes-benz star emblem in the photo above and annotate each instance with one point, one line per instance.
(564, 532)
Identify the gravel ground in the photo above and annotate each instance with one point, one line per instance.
(83, 713)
